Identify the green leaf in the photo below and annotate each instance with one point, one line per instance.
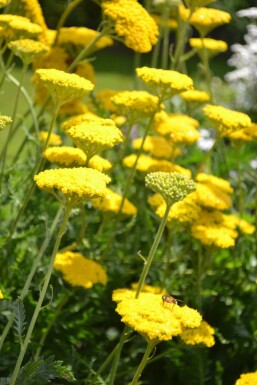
(19, 318)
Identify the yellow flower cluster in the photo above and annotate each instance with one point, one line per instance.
(27, 49)
(180, 129)
(112, 202)
(148, 164)
(33, 11)
(157, 146)
(103, 99)
(153, 320)
(76, 120)
(206, 19)
(4, 121)
(18, 27)
(1, 295)
(63, 87)
(78, 270)
(95, 136)
(75, 184)
(203, 335)
(136, 105)
(54, 140)
(225, 120)
(247, 379)
(248, 134)
(172, 186)
(212, 46)
(195, 96)
(56, 58)
(132, 23)
(164, 83)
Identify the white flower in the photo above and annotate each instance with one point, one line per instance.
(253, 164)
(251, 13)
(205, 142)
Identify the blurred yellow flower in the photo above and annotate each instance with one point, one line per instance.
(195, 96)
(1, 295)
(207, 19)
(87, 117)
(212, 46)
(248, 134)
(4, 121)
(27, 49)
(112, 202)
(55, 140)
(157, 146)
(247, 379)
(203, 334)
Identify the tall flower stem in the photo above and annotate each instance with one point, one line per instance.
(206, 66)
(64, 17)
(181, 41)
(32, 273)
(149, 348)
(39, 168)
(240, 196)
(165, 34)
(43, 291)
(7, 142)
(152, 252)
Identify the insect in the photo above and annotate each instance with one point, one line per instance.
(170, 299)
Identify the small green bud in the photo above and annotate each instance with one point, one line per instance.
(172, 186)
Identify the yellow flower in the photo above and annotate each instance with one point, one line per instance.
(247, 379)
(132, 23)
(111, 203)
(33, 11)
(136, 105)
(87, 117)
(206, 19)
(56, 58)
(248, 134)
(243, 225)
(153, 320)
(82, 37)
(18, 27)
(78, 270)
(203, 334)
(212, 46)
(95, 136)
(214, 228)
(157, 146)
(104, 101)
(4, 121)
(198, 3)
(86, 70)
(63, 87)
(172, 186)
(1, 295)
(226, 120)
(27, 49)
(146, 289)
(75, 184)
(55, 140)
(195, 96)
(180, 129)
(74, 107)
(164, 83)
(148, 164)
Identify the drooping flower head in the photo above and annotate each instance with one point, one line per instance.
(74, 184)
(63, 87)
(226, 120)
(78, 270)
(112, 202)
(172, 186)
(27, 49)
(164, 83)
(4, 121)
(132, 23)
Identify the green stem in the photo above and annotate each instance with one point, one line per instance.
(240, 196)
(32, 273)
(149, 348)
(198, 277)
(205, 62)
(6, 68)
(137, 62)
(181, 41)
(16, 102)
(43, 291)
(152, 251)
(165, 34)
(64, 17)
(156, 53)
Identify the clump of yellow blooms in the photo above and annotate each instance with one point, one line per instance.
(95, 136)
(132, 23)
(136, 105)
(54, 140)
(203, 335)
(78, 270)
(157, 146)
(172, 186)
(225, 120)
(4, 121)
(212, 46)
(153, 320)
(248, 134)
(18, 27)
(112, 203)
(146, 163)
(180, 129)
(195, 96)
(164, 83)
(79, 119)
(247, 379)
(63, 87)
(206, 19)
(27, 49)
(75, 184)
(1, 295)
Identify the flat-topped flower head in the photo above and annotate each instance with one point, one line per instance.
(193, 4)
(195, 96)
(4, 121)
(78, 270)
(94, 136)
(212, 46)
(172, 186)
(206, 19)
(154, 320)
(136, 105)
(132, 23)
(203, 335)
(19, 27)
(28, 49)
(247, 379)
(74, 184)
(111, 203)
(164, 83)
(63, 87)
(225, 120)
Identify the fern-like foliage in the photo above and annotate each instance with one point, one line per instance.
(42, 371)
(19, 319)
